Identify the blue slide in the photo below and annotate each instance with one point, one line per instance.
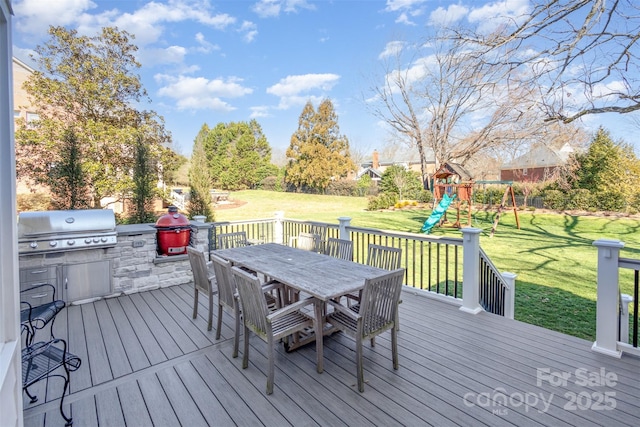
(437, 213)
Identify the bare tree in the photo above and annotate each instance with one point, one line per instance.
(448, 104)
(583, 53)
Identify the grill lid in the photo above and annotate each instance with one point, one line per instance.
(49, 223)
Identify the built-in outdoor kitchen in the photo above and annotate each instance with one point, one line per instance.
(86, 256)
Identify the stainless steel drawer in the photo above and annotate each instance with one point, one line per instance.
(38, 295)
(39, 274)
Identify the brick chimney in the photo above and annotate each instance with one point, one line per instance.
(375, 164)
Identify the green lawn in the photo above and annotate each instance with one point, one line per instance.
(552, 254)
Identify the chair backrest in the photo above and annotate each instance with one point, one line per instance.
(226, 283)
(384, 257)
(199, 268)
(319, 229)
(232, 240)
(254, 304)
(308, 241)
(379, 301)
(339, 248)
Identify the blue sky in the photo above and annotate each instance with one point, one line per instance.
(222, 61)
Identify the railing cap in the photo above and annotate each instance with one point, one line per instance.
(471, 230)
(609, 243)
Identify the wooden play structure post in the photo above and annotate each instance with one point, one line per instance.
(507, 191)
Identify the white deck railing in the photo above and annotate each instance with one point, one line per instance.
(455, 269)
(612, 307)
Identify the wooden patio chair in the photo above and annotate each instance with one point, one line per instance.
(228, 297)
(377, 313)
(306, 241)
(36, 317)
(232, 240)
(270, 327)
(339, 248)
(203, 280)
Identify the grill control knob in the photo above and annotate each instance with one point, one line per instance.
(33, 245)
(53, 243)
(96, 240)
(71, 242)
(103, 239)
(87, 240)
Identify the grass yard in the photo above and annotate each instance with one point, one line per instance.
(552, 254)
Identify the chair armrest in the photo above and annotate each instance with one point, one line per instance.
(290, 308)
(272, 285)
(345, 310)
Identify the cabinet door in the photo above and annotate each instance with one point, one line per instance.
(87, 280)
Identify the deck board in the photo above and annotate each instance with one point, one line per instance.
(145, 361)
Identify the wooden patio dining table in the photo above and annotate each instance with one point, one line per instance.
(314, 274)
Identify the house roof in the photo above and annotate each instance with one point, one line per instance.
(541, 156)
(373, 171)
(448, 169)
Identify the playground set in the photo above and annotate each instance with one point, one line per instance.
(453, 185)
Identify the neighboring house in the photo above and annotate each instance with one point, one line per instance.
(375, 167)
(539, 164)
(22, 108)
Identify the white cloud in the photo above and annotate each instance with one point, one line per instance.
(404, 19)
(250, 31)
(34, 17)
(396, 5)
(196, 93)
(294, 85)
(391, 49)
(205, 46)
(504, 12)
(273, 8)
(296, 90)
(259, 112)
(448, 16)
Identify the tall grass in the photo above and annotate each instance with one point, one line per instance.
(552, 254)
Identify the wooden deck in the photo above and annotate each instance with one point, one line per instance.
(146, 362)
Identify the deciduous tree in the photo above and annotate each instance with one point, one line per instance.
(318, 152)
(584, 54)
(89, 85)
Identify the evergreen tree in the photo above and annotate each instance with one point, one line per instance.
(398, 180)
(200, 202)
(66, 179)
(144, 184)
(610, 171)
(318, 153)
(239, 155)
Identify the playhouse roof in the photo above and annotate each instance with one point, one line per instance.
(447, 169)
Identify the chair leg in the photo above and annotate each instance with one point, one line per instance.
(210, 320)
(195, 303)
(271, 370)
(219, 322)
(359, 366)
(236, 338)
(245, 356)
(394, 347)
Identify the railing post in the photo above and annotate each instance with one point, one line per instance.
(510, 294)
(471, 270)
(625, 300)
(607, 297)
(278, 227)
(345, 222)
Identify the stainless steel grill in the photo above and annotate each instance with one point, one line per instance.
(53, 231)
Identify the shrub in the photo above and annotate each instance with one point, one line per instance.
(580, 198)
(555, 199)
(382, 201)
(424, 196)
(343, 187)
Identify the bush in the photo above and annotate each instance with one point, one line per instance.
(271, 183)
(424, 196)
(555, 199)
(580, 199)
(382, 201)
(343, 187)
